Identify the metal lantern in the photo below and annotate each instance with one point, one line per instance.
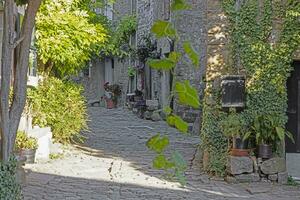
(233, 91)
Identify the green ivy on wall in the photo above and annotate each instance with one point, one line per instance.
(263, 36)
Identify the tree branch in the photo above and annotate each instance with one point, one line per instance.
(20, 82)
(16, 43)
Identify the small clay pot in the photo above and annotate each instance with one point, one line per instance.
(239, 152)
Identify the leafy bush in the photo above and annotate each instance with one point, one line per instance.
(60, 105)
(25, 142)
(9, 188)
(233, 125)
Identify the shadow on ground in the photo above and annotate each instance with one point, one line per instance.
(114, 163)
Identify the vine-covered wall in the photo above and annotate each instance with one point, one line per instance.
(256, 38)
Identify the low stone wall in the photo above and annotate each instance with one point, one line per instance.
(252, 169)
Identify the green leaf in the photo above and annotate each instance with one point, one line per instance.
(179, 5)
(171, 120)
(187, 95)
(161, 64)
(163, 29)
(189, 50)
(167, 110)
(161, 162)
(180, 124)
(179, 162)
(280, 132)
(157, 143)
(290, 136)
(181, 178)
(175, 56)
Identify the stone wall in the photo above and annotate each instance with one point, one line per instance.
(192, 26)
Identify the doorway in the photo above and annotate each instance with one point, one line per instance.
(293, 111)
(293, 125)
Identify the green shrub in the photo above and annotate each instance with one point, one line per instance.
(9, 188)
(59, 105)
(25, 142)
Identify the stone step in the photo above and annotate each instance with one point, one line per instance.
(44, 140)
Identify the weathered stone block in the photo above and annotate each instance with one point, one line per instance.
(152, 103)
(255, 164)
(245, 178)
(239, 165)
(273, 177)
(273, 166)
(155, 117)
(147, 115)
(283, 177)
(230, 179)
(152, 108)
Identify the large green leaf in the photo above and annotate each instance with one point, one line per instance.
(163, 29)
(171, 120)
(175, 56)
(280, 133)
(179, 5)
(187, 95)
(189, 50)
(178, 160)
(157, 143)
(161, 64)
(167, 110)
(161, 162)
(180, 167)
(180, 124)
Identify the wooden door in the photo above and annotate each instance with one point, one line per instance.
(293, 111)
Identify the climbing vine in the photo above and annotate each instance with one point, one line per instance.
(175, 165)
(263, 36)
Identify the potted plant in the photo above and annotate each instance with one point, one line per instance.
(138, 95)
(268, 131)
(233, 127)
(26, 146)
(112, 93)
(131, 71)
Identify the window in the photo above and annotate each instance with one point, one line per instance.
(133, 6)
(166, 9)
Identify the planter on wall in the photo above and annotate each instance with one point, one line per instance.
(110, 104)
(240, 147)
(264, 151)
(233, 91)
(29, 154)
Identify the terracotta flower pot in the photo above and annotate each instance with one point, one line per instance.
(110, 104)
(239, 152)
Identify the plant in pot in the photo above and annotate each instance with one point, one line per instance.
(234, 128)
(268, 131)
(131, 71)
(26, 146)
(138, 95)
(112, 93)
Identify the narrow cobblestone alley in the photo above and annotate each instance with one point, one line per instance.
(114, 164)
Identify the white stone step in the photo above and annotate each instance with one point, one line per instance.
(44, 139)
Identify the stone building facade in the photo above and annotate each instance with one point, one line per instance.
(204, 25)
(191, 26)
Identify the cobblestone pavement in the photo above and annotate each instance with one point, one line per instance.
(115, 164)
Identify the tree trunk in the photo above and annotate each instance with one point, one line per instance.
(6, 66)
(10, 115)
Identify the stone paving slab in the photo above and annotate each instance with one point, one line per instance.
(114, 164)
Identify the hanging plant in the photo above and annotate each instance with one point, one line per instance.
(131, 71)
(146, 49)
